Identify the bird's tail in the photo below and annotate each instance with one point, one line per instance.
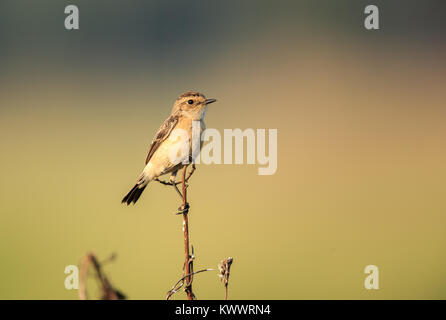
(136, 191)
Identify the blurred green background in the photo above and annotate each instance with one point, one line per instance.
(361, 146)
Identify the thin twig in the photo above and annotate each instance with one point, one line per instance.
(187, 257)
(108, 292)
(188, 266)
(181, 283)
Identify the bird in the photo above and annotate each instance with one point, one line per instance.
(188, 107)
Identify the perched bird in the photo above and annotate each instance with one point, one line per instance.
(190, 106)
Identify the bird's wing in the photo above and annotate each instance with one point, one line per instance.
(162, 134)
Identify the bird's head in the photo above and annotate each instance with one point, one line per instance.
(192, 104)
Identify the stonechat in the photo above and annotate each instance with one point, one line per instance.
(189, 107)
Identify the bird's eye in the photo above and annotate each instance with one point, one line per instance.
(190, 101)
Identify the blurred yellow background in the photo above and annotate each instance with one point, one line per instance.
(361, 157)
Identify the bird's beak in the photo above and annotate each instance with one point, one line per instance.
(208, 101)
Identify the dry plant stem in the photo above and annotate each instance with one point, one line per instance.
(225, 268)
(188, 269)
(83, 277)
(177, 286)
(108, 292)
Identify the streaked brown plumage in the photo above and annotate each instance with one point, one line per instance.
(189, 107)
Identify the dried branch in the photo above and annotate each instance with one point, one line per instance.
(188, 259)
(177, 286)
(225, 267)
(108, 292)
(188, 267)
